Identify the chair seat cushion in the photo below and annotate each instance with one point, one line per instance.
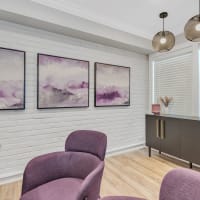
(121, 198)
(55, 190)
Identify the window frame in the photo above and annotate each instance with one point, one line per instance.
(195, 50)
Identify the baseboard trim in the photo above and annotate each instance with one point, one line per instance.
(125, 149)
(176, 158)
(10, 178)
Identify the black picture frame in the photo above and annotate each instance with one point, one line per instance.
(38, 81)
(14, 98)
(95, 84)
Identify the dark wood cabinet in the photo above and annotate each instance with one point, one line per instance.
(190, 141)
(171, 143)
(152, 128)
(178, 136)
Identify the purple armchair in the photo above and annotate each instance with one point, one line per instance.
(71, 175)
(181, 184)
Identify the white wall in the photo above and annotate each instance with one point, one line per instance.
(26, 134)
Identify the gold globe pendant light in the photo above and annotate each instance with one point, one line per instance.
(163, 41)
(192, 28)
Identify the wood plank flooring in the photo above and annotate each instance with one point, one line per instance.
(130, 174)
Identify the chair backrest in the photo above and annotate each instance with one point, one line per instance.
(180, 184)
(87, 141)
(90, 188)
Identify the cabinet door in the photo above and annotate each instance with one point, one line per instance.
(170, 136)
(190, 144)
(152, 132)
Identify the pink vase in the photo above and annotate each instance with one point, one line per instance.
(156, 108)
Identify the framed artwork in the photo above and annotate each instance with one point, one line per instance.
(12, 79)
(112, 85)
(62, 82)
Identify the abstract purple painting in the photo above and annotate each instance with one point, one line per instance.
(12, 79)
(112, 85)
(62, 82)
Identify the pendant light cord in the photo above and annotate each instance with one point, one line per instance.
(199, 7)
(164, 23)
(163, 32)
(199, 10)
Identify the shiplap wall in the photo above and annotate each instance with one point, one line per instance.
(26, 134)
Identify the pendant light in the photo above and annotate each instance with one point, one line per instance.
(192, 28)
(164, 40)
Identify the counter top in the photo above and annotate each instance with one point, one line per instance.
(175, 116)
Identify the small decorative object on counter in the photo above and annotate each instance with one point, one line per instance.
(165, 102)
(156, 109)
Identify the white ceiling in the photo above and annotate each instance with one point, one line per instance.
(139, 17)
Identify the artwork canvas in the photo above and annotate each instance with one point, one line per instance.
(112, 85)
(62, 82)
(12, 79)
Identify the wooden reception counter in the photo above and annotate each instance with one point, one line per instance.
(176, 135)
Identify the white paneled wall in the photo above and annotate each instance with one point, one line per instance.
(26, 134)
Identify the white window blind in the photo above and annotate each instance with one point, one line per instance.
(173, 78)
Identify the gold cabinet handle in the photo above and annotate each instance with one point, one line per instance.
(162, 129)
(157, 128)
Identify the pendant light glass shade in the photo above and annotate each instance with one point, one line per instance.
(192, 29)
(164, 40)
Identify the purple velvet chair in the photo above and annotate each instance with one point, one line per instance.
(180, 184)
(71, 175)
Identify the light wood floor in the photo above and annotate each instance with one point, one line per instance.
(132, 174)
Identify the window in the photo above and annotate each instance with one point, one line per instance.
(173, 77)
